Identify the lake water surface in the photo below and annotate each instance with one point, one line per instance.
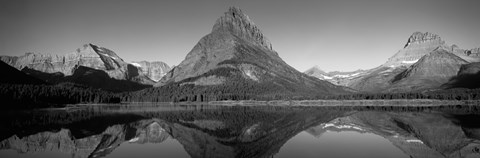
(150, 130)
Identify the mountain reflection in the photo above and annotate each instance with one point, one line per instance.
(238, 131)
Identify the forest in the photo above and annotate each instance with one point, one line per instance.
(191, 93)
(42, 95)
(20, 96)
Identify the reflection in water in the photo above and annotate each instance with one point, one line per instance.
(168, 148)
(207, 131)
(339, 144)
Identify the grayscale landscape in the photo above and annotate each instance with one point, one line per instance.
(340, 79)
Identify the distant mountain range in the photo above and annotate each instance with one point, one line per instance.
(236, 61)
(424, 63)
(91, 65)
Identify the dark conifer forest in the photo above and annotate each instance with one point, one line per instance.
(41, 96)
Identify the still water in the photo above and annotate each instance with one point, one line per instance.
(149, 130)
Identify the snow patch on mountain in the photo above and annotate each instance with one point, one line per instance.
(409, 62)
(346, 76)
(250, 74)
(414, 141)
(136, 64)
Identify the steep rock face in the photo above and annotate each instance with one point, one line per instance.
(418, 44)
(154, 70)
(239, 24)
(88, 76)
(90, 55)
(237, 50)
(431, 71)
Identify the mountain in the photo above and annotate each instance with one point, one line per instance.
(237, 55)
(335, 77)
(317, 72)
(467, 77)
(431, 71)
(401, 73)
(473, 52)
(154, 70)
(420, 44)
(52, 68)
(13, 76)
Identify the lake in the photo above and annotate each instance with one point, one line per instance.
(157, 130)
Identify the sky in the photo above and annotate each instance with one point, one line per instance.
(336, 35)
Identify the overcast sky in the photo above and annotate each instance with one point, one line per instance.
(335, 35)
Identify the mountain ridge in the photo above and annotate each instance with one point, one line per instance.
(418, 45)
(60, 68)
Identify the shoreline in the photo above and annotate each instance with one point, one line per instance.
(393, 102)
(305, 103)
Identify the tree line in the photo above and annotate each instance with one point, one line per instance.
(37, 96)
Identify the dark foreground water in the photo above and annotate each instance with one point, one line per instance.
(242, 131)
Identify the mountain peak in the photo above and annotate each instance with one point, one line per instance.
(432, 70)
(317, 68)
(237, 13)
(420, 37)
(236, 22)
(418, 45)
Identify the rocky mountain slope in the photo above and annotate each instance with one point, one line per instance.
(56, 67)
(154, 70)
(236, 52)
(335, 77)
(431, 71)
(420, 44)
(443, 60)
(468, 77)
